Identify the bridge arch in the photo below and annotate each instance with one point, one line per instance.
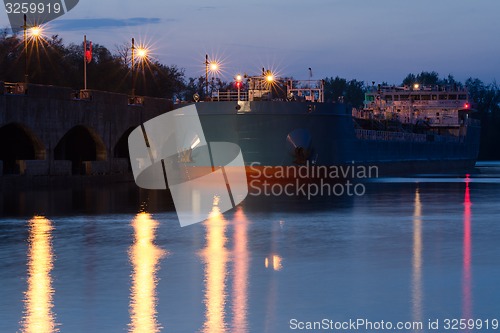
(121, 148)
(80, 144)
(18, 142)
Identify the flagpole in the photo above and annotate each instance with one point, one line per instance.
(85, 62)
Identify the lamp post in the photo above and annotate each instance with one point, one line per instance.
(25, 26)
(133, 69)
(35, 34)
(141, 53)
(206, 75)
(239, 78)
(213, 66)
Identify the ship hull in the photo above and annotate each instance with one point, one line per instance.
(277, 134)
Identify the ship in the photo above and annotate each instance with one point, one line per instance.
(408, 129)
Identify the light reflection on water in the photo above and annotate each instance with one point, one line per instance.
(241, 257)
(145, 257)
(215, 256)
(39, 303)
(423, 249)
(467, 254)
(417, 259)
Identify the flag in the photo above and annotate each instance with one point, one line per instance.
(87, 52)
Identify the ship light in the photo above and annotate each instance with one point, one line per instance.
(238, 82)
(270, 78)
(416, 86)
(466, 106)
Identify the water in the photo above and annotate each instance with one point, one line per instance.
(411, 249)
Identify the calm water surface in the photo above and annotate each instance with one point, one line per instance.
(115, 260)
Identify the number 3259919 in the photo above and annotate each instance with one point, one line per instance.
(32, 8)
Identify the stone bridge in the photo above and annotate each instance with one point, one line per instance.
(46, 130)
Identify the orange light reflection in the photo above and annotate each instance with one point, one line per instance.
(215, 257)
(241, 263)
(145, 258)
(417, 259)
(39, 317)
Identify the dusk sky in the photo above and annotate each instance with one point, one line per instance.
(356, 39)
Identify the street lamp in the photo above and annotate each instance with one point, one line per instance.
(212, 66)
(206, 75)
(35, 34)
(133, 69)
(214, 69)
(142, 54)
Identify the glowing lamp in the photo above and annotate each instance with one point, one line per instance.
(36, 31)
(214, 67)
(466, 106)
(416, 86)
(269, 78)
(142, 53)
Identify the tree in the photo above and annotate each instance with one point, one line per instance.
(424, 78)
(486, 100)
(194, 86)
(352, 92)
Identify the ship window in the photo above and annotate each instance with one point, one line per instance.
(396, 97)
(462, 97)
(452, 97)
(426, 97)
(370, 98)
(388, 98)
(404, 97)
(443, 97)
(416, 98)
(437, 114)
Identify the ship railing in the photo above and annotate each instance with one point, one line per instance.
(434, 88)
(372, 135)
(228, 96)
(363, 134)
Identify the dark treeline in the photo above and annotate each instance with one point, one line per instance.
(53, 63)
